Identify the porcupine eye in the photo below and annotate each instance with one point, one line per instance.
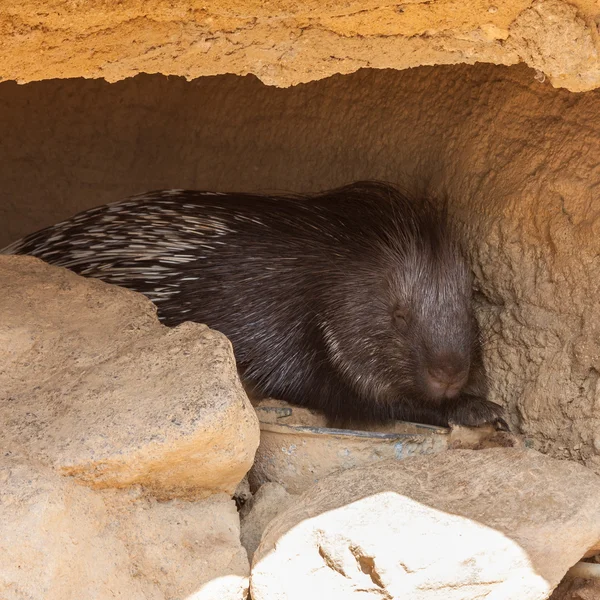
(400, 318)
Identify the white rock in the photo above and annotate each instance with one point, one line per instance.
(504, 524)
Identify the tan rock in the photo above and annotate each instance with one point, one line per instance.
(554, 37)
(285, 43)
(94, 386)
(188, 548)
(269, 500)
(63, 541)
(501, 523)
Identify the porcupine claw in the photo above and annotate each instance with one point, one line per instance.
(501, 425)
(472, 411)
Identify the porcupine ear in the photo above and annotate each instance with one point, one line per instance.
(400, 318)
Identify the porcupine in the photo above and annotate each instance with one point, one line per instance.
(356, 301)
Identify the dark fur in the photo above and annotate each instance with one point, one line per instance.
(344, 301)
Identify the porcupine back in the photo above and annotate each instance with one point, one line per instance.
(347, 301)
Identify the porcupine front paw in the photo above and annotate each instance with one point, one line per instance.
(472, 411)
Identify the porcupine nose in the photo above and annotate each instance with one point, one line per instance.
(446, 376)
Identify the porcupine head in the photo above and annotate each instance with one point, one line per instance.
(403, 329)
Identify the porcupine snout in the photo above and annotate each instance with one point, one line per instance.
(446, 375)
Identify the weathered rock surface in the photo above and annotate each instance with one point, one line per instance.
(497, 523)
(269, 500)
(92, 385)
(63, 541)
(285, 43)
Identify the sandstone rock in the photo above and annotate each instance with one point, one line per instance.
(63, 541)
(285, 43)
(94, 386)
(270, 499)
(553, 37)
(500, 523)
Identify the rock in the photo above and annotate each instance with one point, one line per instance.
(285, 43)
(552, 37)
(93, 385)
(188, 547)
(270, 499)
(297, 459)
(501, 523)
(63, 541)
